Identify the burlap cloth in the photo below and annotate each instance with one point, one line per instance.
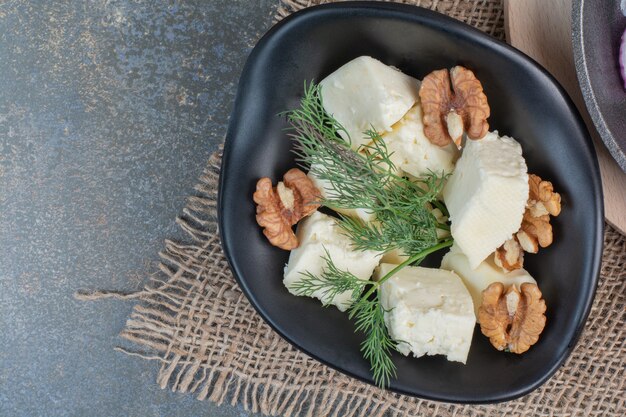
(196, 323)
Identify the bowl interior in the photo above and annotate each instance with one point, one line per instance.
(526, 103)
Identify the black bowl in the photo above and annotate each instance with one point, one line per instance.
(526, 103)
(597, 30)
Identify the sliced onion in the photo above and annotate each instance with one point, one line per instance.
(622, 58)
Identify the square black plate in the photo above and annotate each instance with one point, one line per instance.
(526, 103)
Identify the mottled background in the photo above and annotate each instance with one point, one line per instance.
(108, 113)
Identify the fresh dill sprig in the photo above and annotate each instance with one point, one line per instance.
(330, 283)
(369, 318)
(368, 315)
(366, 309)
(365, 180)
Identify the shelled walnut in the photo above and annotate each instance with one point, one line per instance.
(510, 255)
(535, 230)
(512, 319)
(452, 103)
(280, 207)
(543, 202)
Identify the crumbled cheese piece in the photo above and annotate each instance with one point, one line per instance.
(317, 234)
(429, 311)
(412, 152)
(367, 94)
(476, 280)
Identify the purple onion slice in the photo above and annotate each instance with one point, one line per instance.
(622, 58)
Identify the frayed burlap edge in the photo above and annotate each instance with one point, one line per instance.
(486, 15)
(195, 322)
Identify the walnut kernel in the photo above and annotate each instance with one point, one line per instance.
(512, 319)
(453, 102)
(280, 207)
(535, 230)
(510, 255)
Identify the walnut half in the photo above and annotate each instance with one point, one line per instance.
(279, 208)
(535, 230)
(543, 202)
(452, 103)
(512, 319)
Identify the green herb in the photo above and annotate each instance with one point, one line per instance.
(368, 314)
(330, 283)
(369, 318)
(365, 180)
(366, 309)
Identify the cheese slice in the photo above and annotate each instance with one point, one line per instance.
(367, 94)
(318, 234)
(486, 195)
(412, 152)
(487, 272)
(428, 311)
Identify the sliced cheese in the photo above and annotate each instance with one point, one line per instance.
(486, 195)
(318, 234)
(487, 272)
(412, 152)
(428, 311)
(367, 94)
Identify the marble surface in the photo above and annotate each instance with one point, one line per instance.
(108, 113)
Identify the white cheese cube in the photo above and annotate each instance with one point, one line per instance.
(327, 191)
(429, 311)
(487, 272)
(367, 94)
(412, 152)
(486, 195)
(317, 234)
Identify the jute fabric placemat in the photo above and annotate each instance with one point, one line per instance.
(196, 323)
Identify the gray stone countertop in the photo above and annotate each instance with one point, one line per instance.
(109, 111)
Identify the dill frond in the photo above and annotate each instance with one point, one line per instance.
(330, 283)
(367, 180)
(368, 316)
(364, 180)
